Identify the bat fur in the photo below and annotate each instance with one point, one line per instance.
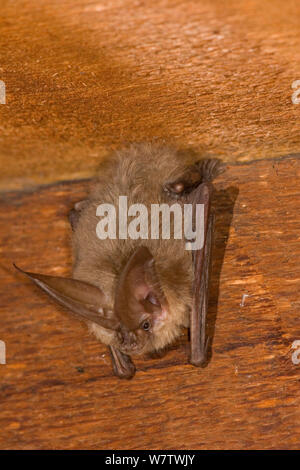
(144, 173)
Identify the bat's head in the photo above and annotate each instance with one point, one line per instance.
(140, 305)
(139, 308)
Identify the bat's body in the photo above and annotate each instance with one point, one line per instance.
(137, 294)
(140, 175)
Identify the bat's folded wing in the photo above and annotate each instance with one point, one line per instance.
(201, 262)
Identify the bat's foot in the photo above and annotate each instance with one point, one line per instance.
(74, 214)
(123, 366)
(210, 168)
(202, 171)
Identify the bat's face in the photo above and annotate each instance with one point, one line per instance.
(140, 319)
(140, 305)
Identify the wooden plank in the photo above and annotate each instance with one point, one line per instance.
(85, 76)
(57, 389)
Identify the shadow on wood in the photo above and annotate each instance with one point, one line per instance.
(224, 202)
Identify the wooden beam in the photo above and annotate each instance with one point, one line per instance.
(83, 77)
(57, 389)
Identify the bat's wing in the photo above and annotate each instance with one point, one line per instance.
(201, 262)
(195, 187)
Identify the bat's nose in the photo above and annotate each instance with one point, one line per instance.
(128, 341)
(133, 340)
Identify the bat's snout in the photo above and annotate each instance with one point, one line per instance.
(130, 343)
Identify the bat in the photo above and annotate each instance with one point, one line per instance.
(137, 293)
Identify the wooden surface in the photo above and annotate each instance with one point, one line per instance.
(57, 389)
(84, 76)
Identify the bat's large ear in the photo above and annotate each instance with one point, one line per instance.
(138, 289)
(84, 300)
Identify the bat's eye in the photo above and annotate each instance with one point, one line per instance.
(146, 325)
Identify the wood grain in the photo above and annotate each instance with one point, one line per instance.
(85, 76)
(57, 389)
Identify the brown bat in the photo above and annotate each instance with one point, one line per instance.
(137, 294)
